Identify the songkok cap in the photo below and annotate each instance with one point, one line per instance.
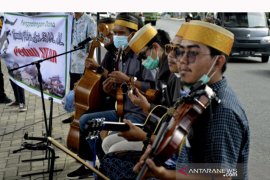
(142, 37)
(210, 35)
(182, 30)
(127, 20)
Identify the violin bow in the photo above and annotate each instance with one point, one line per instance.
(75, 156)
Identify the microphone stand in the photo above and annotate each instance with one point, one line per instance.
(37, 63)
(40, 145)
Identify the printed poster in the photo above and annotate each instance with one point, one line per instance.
(27, 39)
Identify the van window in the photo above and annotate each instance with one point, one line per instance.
(250, 19)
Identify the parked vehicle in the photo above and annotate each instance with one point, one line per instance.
(101, 15)
(151, 17)
(251, 31)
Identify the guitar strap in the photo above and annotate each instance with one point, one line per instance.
(119, 60)
(147, 141)
(166, 96)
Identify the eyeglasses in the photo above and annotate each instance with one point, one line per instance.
(170, 47)
(191, 55)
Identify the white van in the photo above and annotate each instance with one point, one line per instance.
(251, 31)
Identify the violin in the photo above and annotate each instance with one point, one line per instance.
(172, 133)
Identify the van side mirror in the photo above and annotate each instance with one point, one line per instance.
(268, 21)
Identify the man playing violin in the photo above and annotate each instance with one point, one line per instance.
(152, 51)
(170, 89)
(219, 138)
(125, 69)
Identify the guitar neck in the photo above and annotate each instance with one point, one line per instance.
(117, 126)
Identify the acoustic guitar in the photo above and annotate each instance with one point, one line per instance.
(87, 93)
(152, 123)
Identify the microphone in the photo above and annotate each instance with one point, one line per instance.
(81, 44)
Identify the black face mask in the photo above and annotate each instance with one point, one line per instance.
(111, 48)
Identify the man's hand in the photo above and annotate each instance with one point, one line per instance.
(134, 133)
(90, 63)
(153, 171)
(139, 100)
(108, 85)
(119, 77)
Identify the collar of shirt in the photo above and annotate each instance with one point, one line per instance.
(80, 19)
(219, 85)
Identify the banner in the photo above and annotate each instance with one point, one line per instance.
(26, 39)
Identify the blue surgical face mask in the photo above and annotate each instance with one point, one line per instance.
(120, 41)
(205, 78)
(151, 63)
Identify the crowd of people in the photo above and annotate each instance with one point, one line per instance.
(140, 59)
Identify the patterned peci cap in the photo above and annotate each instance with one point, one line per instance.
(142, 37)
(210, 35)
(182, 29)
(127, 20)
